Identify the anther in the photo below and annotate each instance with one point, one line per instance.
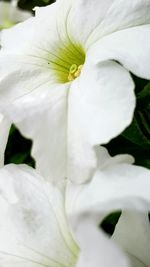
(73, 68)
(74, 72)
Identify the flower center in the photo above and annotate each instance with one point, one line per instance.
(66, 62)
(74, 72)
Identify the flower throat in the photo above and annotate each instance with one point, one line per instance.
(67, 62)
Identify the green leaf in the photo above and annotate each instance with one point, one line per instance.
(139, 131)
(109, 222)
(18, 149)
(144, 162)
(46, 1)
(135, 134)
(143, 98)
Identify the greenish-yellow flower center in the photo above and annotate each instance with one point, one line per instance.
(66, 62)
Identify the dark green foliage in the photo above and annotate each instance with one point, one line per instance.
(109, 222)
(30, 4)
(18, 149)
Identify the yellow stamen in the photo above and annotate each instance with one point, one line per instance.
(74, 72)
(73, 68)
(70, 77)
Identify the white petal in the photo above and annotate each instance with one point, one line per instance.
(99, 109)
(32, 42)
(33, 228)
(132, 233)
(96, 249)
(129, 47)
(25, 31)
(4, 132)
(30, 96)
(118, 186)
(46, 125)
(83, 17)
(104, 107)
(121, 15)
(88, 21)
(21, 77)
(39, 109)
(105, 160)
(43, 118)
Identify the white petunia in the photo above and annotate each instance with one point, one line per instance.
(65, 79)
(40, 222)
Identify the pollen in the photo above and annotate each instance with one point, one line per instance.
(74, 72)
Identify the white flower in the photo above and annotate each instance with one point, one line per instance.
(40, 222)
(65, 79)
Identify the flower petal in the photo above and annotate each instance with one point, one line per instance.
(132, 233)
(30, 94)
(95, 247)
(87, 21)
(33, 43)
(29, 97)
(129, 47)
(33, 226)
(46, 125)
(24, 30)
(83, 16)
(105, 160)
(114, 187)
(99, 109)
